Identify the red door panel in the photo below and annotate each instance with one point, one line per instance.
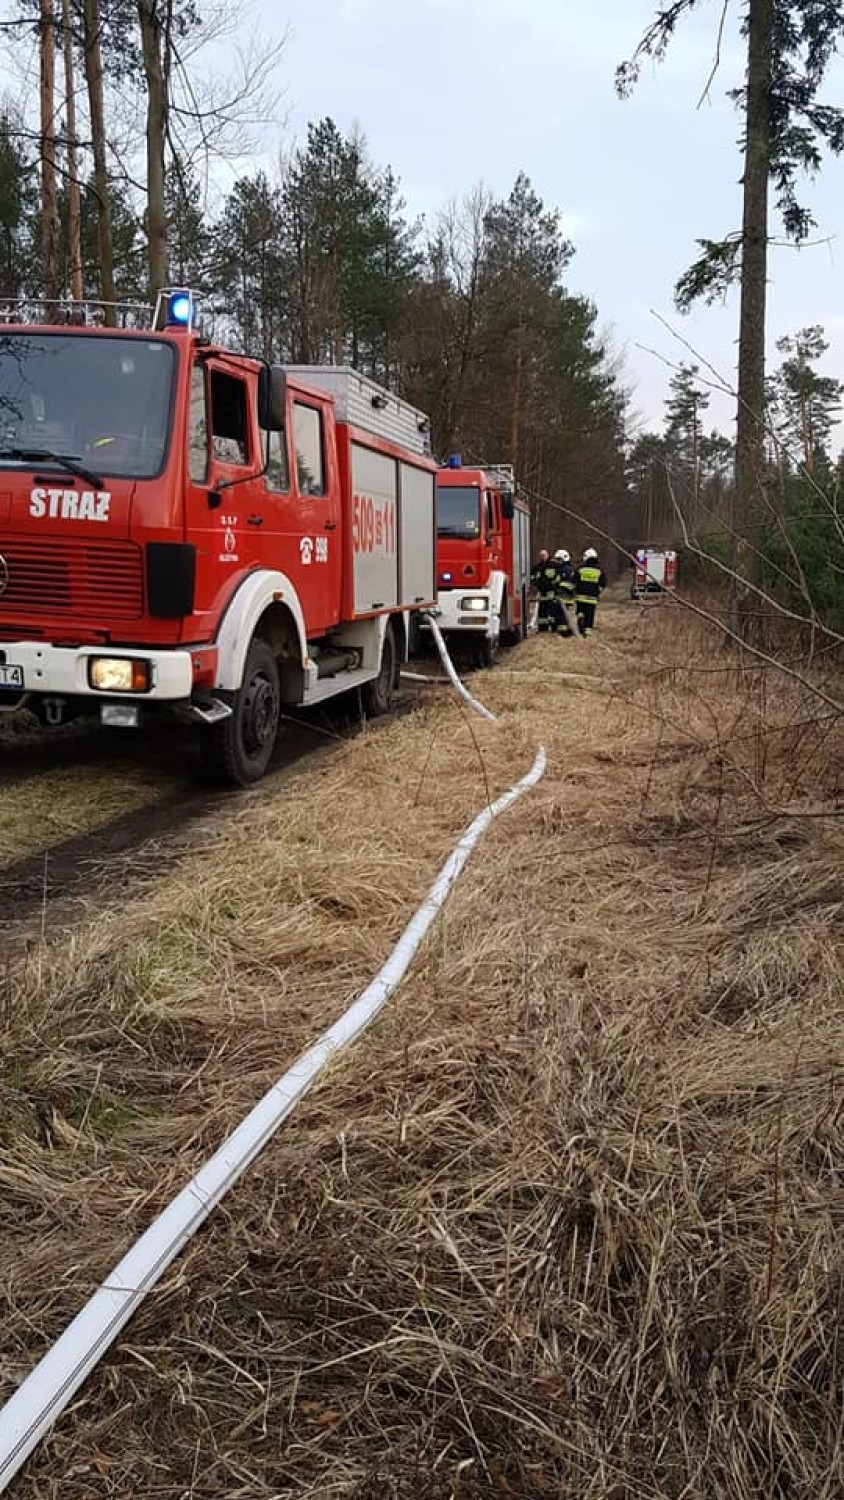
(303, 509)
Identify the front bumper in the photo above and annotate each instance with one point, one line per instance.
(62, 672)
(452, 619)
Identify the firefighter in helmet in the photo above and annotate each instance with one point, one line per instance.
(589, 584)
(543, 579)
(565, 588)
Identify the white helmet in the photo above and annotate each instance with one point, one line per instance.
(590, 555)
(561, 555)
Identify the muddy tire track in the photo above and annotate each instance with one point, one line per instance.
(137, 845)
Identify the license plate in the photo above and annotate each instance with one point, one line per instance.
(120, 715)
(11, 677)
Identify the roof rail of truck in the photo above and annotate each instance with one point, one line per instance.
(175, 307)
(63, 311)
(503, 474)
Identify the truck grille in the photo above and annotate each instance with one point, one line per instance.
(72, 577)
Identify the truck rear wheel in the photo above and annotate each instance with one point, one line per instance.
(377, 696)
(237, 751)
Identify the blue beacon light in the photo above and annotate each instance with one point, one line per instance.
(179, 309)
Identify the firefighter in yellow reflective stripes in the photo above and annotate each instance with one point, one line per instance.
(589, 584)
(543, 579)
(565, 588)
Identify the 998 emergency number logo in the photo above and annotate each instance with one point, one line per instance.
(311, 550)
(373, 524)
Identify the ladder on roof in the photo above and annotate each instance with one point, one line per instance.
(503, 474)
(63, 311)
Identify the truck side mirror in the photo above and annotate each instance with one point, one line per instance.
(508, 506)
(272, 389)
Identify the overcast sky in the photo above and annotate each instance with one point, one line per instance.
(453, 92)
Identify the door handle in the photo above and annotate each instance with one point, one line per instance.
(255, 520)
(329, 526)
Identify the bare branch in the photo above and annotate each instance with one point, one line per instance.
(696, 609)
(716, 63)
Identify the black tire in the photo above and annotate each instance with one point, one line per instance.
(238, 751)
(513, 634)
(377, 696)
(508, 635)
(521, 630)
(486, 652)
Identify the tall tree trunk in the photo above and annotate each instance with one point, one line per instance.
(94, 81)
(74, 209)
(750, 421)
(694, 517)
(49, 192)
(516, 409)
(466, 352)
(152, 41)
(806, 432)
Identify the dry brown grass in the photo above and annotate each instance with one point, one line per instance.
(46, 802)
(36, 816)
(567, 1221)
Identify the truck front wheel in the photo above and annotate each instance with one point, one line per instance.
(237, 751)
(487, 651)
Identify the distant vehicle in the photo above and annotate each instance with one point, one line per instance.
(188, 531)
(656, 572)
(483, 558)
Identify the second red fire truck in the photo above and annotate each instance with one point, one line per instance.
(483, 558)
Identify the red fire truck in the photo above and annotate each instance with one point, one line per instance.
(656, 572)
(483, 557)
(189, 530)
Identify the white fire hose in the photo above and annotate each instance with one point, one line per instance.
(43, 1395)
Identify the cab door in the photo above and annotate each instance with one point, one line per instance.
(303, 508)
(225, 494)
(493, 529)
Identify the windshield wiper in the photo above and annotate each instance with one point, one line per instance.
(457, 531)
(67, 461)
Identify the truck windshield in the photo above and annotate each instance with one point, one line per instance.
(458, 510)
(104, 402)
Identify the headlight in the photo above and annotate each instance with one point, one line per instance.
(475, 601)
(118, 674)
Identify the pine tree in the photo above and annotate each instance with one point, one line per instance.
(442, 340)
(18, 201)
(805, 404)
(789, 45)
(93, 59)
(127, 240)
(47, 147)
(649, 470)
(525, 257)
(188, 234)
(380, 278)
(683, 434)
(352, 254)
(252, 273)
(511, 366)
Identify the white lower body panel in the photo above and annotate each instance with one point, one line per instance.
(62, 671)
(453, 620)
